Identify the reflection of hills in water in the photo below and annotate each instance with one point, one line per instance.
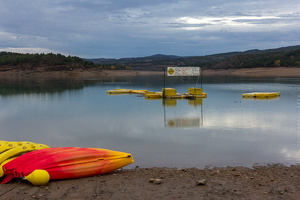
(42, 86)
(14, 86)
(37, 86)
(54, 86)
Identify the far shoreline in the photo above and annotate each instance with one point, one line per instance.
(98, 73)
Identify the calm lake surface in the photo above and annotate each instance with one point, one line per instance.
(220, 130)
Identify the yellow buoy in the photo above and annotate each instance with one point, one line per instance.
(38, 177)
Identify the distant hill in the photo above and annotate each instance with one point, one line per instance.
(284, 56)
(133, 60)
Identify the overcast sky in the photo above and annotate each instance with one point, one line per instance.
(135, 28)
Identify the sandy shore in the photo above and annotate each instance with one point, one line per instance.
(260, 182)
(258, 72)
(96, 73)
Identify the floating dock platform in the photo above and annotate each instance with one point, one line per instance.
(171, 93)
(261, 95)
(126, 91)
(159, 95)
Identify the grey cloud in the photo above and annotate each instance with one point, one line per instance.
(96, 28)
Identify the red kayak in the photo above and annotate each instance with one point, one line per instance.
(65, 163)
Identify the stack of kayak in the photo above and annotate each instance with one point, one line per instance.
(41, 165)
(10, 150)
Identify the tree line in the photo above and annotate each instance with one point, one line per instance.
(274, 59)
(14, 59)
(280, 57)
(250, 59)
(50, 60)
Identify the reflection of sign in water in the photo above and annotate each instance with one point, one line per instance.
(183, 71)
(184, 122)
(188, 121)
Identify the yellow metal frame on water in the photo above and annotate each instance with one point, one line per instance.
(169, 93)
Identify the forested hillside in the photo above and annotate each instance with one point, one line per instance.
(281, 57)
(274, 59)
(48, 61)
(284, 57)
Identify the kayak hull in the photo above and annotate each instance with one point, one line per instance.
(67, 162)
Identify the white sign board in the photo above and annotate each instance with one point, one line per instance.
(183, 71)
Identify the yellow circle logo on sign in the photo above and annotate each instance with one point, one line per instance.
(171, 71)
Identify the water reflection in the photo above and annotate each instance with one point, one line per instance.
(184, 122)
(261, 98)
(221, 130)
(171, 104)
(37, 86)
(194, 117)
(290, 153)
(17, 86)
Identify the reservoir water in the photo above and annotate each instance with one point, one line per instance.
(220, 130)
